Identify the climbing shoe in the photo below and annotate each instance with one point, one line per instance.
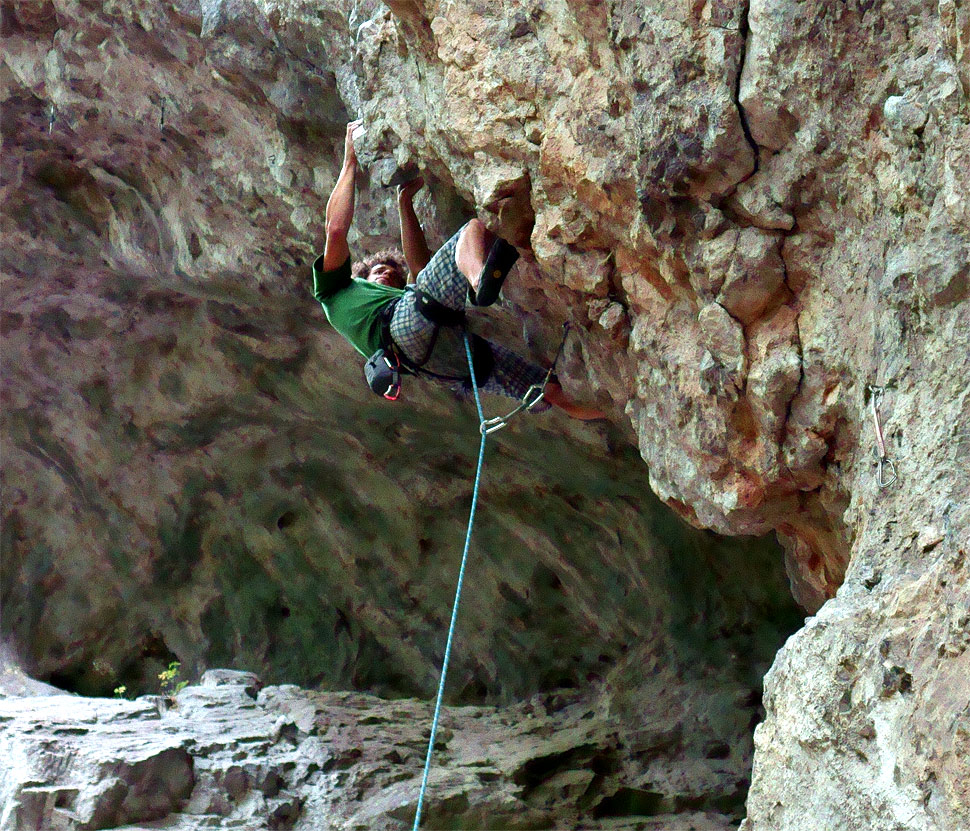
(501, 257)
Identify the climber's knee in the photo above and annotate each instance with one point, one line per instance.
(474, 242)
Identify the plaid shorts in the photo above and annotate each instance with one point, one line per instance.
(512, 374)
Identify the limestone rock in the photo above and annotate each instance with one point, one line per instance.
(215, 756)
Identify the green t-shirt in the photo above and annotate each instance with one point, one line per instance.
(353, 306)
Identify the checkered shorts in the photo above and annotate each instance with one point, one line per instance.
(512, 374)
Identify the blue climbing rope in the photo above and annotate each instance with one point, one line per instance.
(461, 577)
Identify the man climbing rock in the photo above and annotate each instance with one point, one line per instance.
(369, 305)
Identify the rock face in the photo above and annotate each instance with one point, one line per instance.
(753, 214)
(722, 174)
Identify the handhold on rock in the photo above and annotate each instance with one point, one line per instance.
(895, 679)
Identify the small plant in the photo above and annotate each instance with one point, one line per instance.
(169, 681)
(121, 692)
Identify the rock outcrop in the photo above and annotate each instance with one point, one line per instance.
(754, 215)
(229, 753)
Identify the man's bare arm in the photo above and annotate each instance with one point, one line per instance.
(413, 242)
(340, 206)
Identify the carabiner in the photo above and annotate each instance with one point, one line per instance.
(490, 425)
(884, 463)
(534, 394)
(883, 457)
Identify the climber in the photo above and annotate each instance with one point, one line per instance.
(369, 305)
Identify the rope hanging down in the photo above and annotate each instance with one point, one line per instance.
(461, 577)
(531, 398)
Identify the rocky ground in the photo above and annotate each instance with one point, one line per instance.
(229, 753)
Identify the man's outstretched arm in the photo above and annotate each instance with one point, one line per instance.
(413, 242)
(340, 206)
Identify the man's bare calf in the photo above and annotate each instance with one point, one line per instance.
(474, 244)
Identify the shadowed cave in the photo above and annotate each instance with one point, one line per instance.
(338, 573)
(330, 577)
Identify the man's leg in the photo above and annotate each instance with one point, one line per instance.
(554, 395)
(412, 332)
(485, 260)
(458, 264)
(442, 277)
(474, 243)
(513, 375)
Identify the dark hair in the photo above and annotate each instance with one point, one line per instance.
(389, 256)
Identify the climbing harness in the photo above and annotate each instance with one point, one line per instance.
(383, 369)
(461, 578)
(884, 461)
(532, 396)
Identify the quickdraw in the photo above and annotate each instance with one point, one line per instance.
(885, 463)
(532, 396)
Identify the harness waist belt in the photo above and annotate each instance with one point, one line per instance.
(440, 315)
(436, 312)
